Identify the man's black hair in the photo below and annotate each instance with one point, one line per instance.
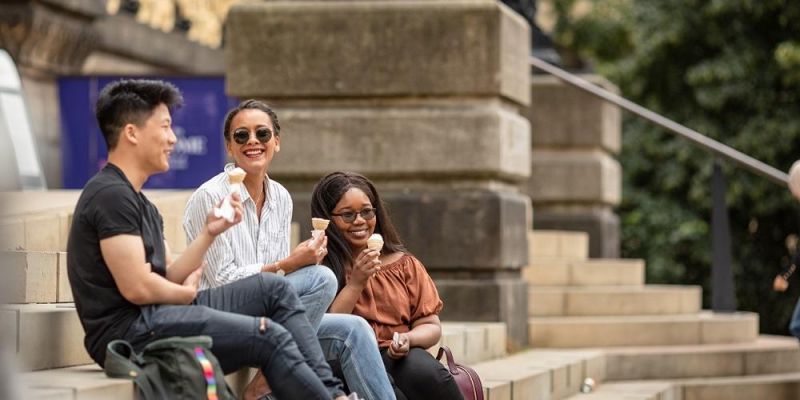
(132, 102)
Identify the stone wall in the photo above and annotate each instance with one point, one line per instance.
(423, 98)
(575, 180)
(52, 38)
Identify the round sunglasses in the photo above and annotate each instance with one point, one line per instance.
(241, 136)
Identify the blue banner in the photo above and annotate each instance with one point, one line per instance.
(199, 153)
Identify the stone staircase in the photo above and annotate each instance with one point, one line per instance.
(656, 340)
(38, 319)
(587, 319)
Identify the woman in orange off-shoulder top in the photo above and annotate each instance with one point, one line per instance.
(389, 287)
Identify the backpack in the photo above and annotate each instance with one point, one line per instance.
(468, 381)
(175, 368)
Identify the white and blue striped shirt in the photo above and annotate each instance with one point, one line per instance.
(243, 249)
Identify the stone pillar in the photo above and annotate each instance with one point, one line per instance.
(575, 180)
(423, 98)
(47, 38)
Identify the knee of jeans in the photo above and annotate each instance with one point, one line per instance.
(273, 282)
(361, 331)
(794, 329)
(325, 281)
(355, 331)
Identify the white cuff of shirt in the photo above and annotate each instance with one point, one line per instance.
(253, 269)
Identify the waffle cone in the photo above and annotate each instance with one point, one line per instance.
(320, 224)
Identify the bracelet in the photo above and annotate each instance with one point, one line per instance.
(789, 273)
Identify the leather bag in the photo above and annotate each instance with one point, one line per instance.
(468, 381)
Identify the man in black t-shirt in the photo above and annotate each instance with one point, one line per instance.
(127, 286)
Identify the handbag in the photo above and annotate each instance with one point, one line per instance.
(468, 381)
(175, 368)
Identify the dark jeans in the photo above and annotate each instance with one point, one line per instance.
(418, 376)
(287, 351)
(794, 324)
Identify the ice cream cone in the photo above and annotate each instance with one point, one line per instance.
(225, 210)
(320, 224)
(236, 175)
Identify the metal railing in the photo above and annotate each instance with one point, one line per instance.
(723, 298)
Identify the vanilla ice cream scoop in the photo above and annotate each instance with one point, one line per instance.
(236, 176)
(375, 242)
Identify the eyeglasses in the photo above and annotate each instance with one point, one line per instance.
(241, 136)
(349, 216)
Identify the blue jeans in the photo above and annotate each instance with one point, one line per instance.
(349, 340)
(316, 286)
(794, 324)
(346, 339)
(286, 351)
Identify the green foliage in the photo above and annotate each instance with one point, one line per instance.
(731, 70)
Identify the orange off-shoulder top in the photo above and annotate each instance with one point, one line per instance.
(396, 296)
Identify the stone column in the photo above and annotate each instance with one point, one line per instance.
(575, 180)
(422, 97)
(48, 38)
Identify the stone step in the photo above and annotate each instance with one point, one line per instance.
(34, 277)
(30, 327)
(469, 342)
(544, 301)
(772, 387)
(644, 390)
(76, 383)
(540, 374)
(563, 245)
(36, 232)
(28, 219)
(651, 330)
(45, 336)
(26, 203)
(766, 355)
(594, 272)
(473, 342)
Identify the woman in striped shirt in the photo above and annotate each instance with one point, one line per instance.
(261, 244)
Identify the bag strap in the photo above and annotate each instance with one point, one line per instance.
(122, 362)
(451, 364)
(188, 342)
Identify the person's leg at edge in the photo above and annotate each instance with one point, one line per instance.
(794, 324)
(419, 376)
(350, 341)
(238, 340)
(316, 286)
(271, 295)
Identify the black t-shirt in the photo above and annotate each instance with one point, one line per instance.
(108, 206)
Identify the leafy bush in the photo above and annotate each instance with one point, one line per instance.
(731, 70)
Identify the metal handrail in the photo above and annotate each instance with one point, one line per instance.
(698, 138)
